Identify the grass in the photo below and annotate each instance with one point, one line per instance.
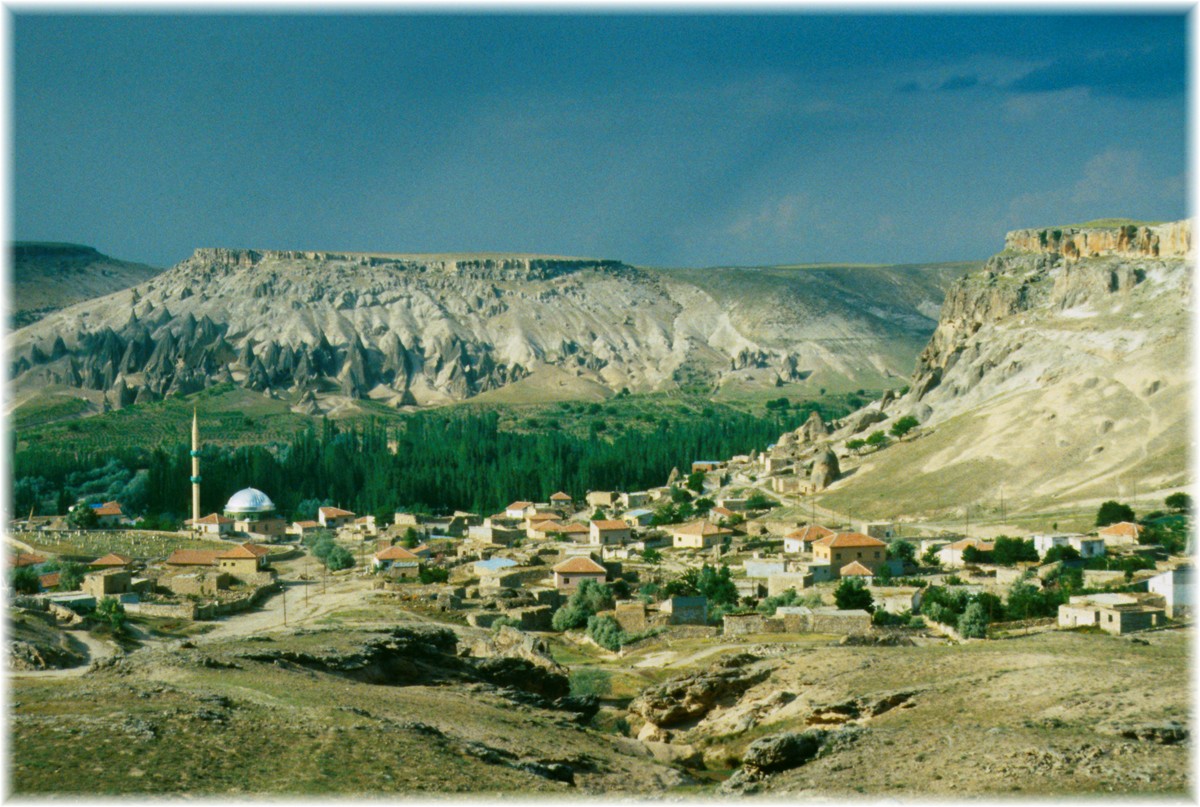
(138, 545)
(46, 409)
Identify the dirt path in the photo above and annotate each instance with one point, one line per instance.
(97, 650)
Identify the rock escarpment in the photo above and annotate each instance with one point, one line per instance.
(316, 327)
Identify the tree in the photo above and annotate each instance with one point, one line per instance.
(583, 603)
(339, 558)
(112, 612)
(411, 539)
(1008, 551)
(904, 425)
(851, 594)
(1060, 552)
(1179, 501)
(1112, 513)
(70, 575)
(433, 574)
(651, 555)
(83, 517)
(606, 632)
(877, 439)
(716, 585)
(598, 515)
(973, 623)
(855, 444)
(972, 554)
(900, 549)
(759, 501)
(679, 495)
(695, 481)
(703, 505)
(24, 580)
(930, 558)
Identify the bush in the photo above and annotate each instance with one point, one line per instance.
(758, 501)
(606, 632)
(24, 580)
(973, 623)
(506, 622)
(70, 576)
(855, 444)
(791, 597)
(902, 550)
(851, 594)
(339, 558)
(1061, 552)
(589, 598)
(1112, 513)
(695, 481)
(904, 425)
(112, 613)
(651, 555)
(1009, 551)
(433, 574)
(877, 439)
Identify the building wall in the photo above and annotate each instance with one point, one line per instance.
(570, 582)
(102, 584)
(238, 567)
(686, 610)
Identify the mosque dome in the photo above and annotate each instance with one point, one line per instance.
(249, 500)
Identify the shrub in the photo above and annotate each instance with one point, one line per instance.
(973, 623)
(24, 580)
(758, 501)
(651, 555)
(70, 575)
(339, 558)
(1009, 551)
(902, 550)
(606, 632)
(506, 622)
(851, 594)
(112, 613)
(877, 439)
(433, 574)
(855, 444)
(695, 481)
(904, 425)
(583, 603)
(1060, 552)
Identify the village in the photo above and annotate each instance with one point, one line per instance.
(729, 548)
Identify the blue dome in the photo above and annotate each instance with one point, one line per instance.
(249, 500)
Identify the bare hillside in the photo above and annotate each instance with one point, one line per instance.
(47, 277)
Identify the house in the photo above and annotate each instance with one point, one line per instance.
(365, 526)
(572, 531)
(841, 548)
(1175, 587)
(243, 560)
(302, 528)
(734, 503)
(601, 498)
(108, 514)
(517, 509)
(883, 530)
(539, 516)
(721, 513)
(607, 532)
(634, 500)
(1044, 543)
(707, 466)
(801, 540)
(334, 518)
(685, 610)
(561, 499)
(23, 559)
(212, 524)
(543, 530)
(497, 531)
(1117, 614)
(1088, 547)
(639, 518)
(106, 582)
(951, 554)
(570, 573)
(111, 561)
(395, 556)
(1123, 533)
(698, 535)
(184, 558)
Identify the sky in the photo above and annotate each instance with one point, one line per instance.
(679, 139)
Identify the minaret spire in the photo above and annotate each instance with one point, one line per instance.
(195, 471)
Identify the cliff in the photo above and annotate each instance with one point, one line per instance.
(1169, 240)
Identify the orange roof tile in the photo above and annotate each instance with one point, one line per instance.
(580, 565)
(560, 497)
(1124, 529)
(49, 580)
(109, 509)
(844, 539)
(856, 569)
(307, 525)
(811, 532)
(519, 505)
(243, 552)
(610, 524)
(194, 557)
(212, 518)
(335, 512)
(573, 528)
(25, 559)
(982, 546)
(395, 553)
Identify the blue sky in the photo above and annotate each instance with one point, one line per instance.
(667, 140)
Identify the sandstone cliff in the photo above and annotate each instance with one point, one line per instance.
(322, 327)
(1057, 373)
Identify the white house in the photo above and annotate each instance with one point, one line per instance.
(801, 540)
(1175, 587)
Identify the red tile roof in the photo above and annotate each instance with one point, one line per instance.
(560, 497)
(194, 557)
(848, 539)
(723, 511)
(49, 580)
(395, 553)
(1123, 529)
(112, 559)
(856, 569)
(580, 565)
(211, 518)
(335, 512)
(109, 509)
(573, 528)
(610, 524)
(982, 546)
(307, 525)
(519, 505)
(239, 552)
(24, 559)
(811, 532)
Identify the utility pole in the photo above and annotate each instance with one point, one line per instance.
(284, 587)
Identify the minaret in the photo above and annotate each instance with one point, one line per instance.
(195, 471)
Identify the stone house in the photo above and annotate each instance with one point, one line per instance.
(634, 499)
(609, 531)
(302, 528)
(189, 558)
(1123, 533)
(639, 517)
(1117, 614)
(571, 572)
(391, 556)
(601, 498)
(111, 561)
(883, 530)
(698, 535)
(334, 518)
(212, 524)
(109, 514)
(857, 569)
(844, 547)
(561, 500)
(106, 583)
(801, 540)
(243, 561)
(518, 510)
(685, 610)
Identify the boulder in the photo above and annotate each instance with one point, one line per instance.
(825, 470)
(781, 752)
(691, 697)
(677, 754)
(863, 418)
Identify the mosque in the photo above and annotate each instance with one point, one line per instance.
(249, 511)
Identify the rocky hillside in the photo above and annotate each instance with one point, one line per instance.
(47, 277)
(1059, 371)
(318, 328)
